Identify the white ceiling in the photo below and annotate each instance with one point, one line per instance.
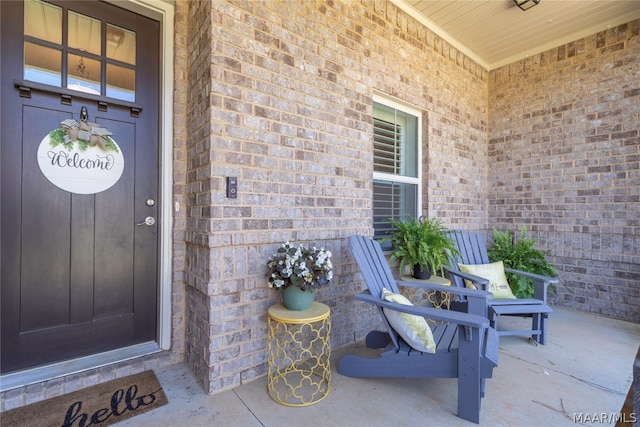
(496, 32)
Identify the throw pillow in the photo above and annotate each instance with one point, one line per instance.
(413, 329)
(494, 273)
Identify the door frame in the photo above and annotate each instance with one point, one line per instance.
(163, 12)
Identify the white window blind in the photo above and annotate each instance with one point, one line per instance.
(387, 148)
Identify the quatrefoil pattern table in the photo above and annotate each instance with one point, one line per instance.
(299, 352)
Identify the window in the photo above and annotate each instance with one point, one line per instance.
(396, 165)
(98, 58)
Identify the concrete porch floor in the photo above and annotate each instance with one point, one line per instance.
(586, 367)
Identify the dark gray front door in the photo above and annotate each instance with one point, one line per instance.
(79, 277)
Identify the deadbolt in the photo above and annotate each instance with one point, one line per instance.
(150, 202)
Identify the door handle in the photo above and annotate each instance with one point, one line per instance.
(147, 221)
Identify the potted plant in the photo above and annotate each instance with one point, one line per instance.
(520, 254)
(422, 244)
(298, 271)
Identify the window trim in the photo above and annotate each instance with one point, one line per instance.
(407, 109)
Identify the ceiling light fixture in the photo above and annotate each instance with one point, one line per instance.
(115, 36)
(526, 4)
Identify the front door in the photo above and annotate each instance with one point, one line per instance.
(80, 201)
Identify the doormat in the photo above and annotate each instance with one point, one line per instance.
(100, 405)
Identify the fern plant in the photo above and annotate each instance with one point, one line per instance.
(421, 242)
(520, 254)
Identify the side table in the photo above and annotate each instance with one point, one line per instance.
(299, 351)
(438, 299)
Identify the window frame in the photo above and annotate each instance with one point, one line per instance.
(61, 75)
(401, 179)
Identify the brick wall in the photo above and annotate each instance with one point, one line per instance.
(280, 96)
(564, 152)
(197, 187)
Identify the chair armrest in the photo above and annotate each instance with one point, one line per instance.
(474, 293)
(540, 283)
(480, 282)
(535, 277)
(477, 299)
(464, 319)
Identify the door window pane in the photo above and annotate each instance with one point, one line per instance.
(121, 82)
(43, 21)
(84, 33)
(42, 64)
(121, 44)
(84, 74)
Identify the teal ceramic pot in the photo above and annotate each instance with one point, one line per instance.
(296, 299)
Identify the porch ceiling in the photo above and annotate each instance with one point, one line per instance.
(496, 32)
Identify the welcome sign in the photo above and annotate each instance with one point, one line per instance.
(80, 157)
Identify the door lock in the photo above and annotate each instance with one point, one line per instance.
(147, 221)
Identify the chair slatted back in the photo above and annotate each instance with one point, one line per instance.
(373, 265)
(375, 272)
(473, 250)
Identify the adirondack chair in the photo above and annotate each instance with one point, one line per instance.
(467, 347)
(473, 250)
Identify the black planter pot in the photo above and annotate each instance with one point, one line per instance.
(421, 273)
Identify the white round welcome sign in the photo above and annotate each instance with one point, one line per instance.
(80, 158)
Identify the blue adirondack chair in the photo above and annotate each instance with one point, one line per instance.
(473, 250)
(467, 347)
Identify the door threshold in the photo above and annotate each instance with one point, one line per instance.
(61, 369)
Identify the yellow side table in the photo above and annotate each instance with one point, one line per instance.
(438, 299)
(299, 352)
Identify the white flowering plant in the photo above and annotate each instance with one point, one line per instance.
(307, 268)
